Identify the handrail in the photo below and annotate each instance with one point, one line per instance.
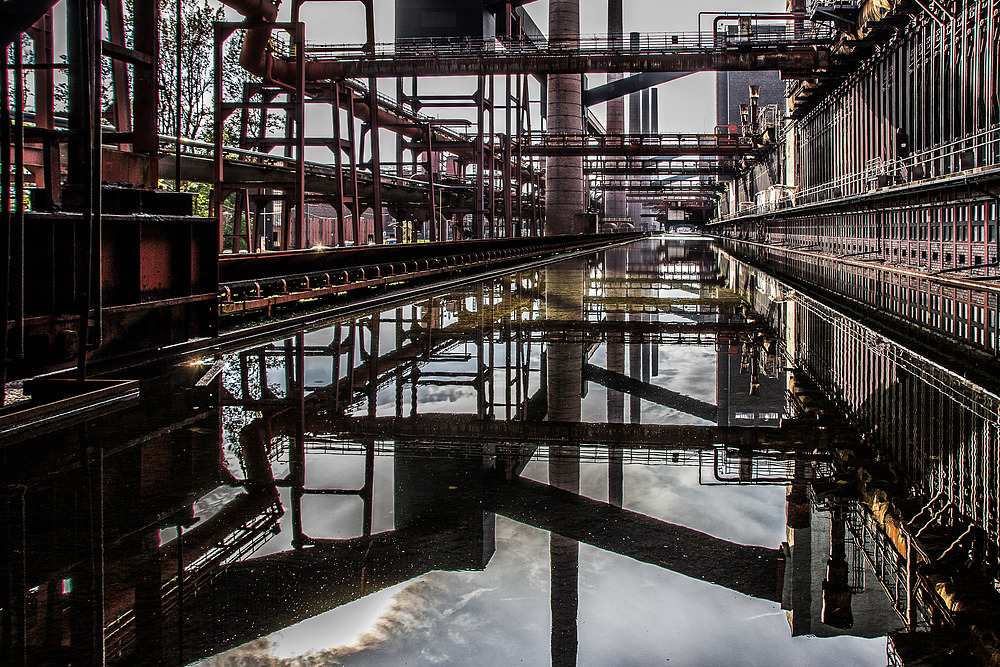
(860, 182)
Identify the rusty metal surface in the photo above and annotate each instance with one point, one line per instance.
(233, 268)
(254, 282)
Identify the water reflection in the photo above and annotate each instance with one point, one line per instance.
(412, 462)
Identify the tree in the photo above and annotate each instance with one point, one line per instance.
(197, 62)
(234, 80)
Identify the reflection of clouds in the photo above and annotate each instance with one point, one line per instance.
(653, 413)
(456, 618)
(631, 613)
(447, 399)
(745, 514)
(688, 622)
(688, 369)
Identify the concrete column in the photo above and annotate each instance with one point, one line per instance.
(614, 205)
(645, 111)
(654, 111)
(635, 127)
(565, 192)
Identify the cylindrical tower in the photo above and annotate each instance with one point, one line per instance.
(565, 193)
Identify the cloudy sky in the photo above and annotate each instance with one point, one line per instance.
(630, 613)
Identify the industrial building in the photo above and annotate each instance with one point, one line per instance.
(418, 332)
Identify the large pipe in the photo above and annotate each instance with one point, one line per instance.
(634, 210)
(257, 60)
(254, 57)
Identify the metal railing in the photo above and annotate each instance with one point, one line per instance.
(942, 160)
(196, 148)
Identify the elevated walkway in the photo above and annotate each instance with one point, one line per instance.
(794, 53)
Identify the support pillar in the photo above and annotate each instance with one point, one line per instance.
(634, 209)
(615, 206)
(565, 194)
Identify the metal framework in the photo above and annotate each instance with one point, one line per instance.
(940, 428)
(778, 46)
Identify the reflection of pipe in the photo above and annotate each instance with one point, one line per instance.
(751, 570)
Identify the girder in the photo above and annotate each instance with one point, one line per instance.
(656, 53)
(452, 429)
(610, 145)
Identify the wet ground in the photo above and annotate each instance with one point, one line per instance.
(597, 463)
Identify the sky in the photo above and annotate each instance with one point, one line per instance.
(686, 105)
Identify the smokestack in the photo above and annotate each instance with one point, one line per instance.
(565, 193)
(614, 204)
(654, 124)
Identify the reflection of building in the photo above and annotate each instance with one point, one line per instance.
(907, 539)
(830, 589)
(750, 393)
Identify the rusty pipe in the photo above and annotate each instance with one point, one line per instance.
(254, 56)
(257, 60)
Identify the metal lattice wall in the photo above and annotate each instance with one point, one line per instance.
(935, 83)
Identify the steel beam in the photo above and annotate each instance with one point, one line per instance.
(804, 62)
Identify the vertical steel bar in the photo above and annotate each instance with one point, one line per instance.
(179, 71)
(17, 243)
(218, 195)
(431, 189)
(298, 39)
(6, 222)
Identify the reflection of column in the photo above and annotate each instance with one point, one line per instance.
(836, 588)
(614, 268)
(565, 283)
(799, 535)
(564, 287)
(565, 563)
(373, 355)
(87, 595)
(481, 399)
(297, 447)
(635, 348)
